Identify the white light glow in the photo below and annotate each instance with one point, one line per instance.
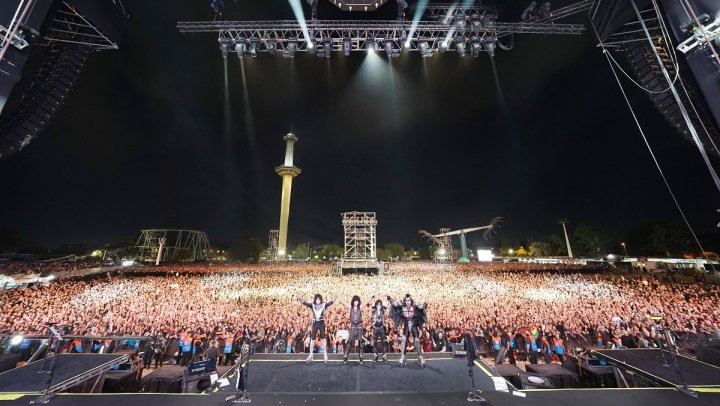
(128, 262)
(16, 340)
(484, 255)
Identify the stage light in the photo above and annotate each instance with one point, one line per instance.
(442, 251)
(476, 21)
(370, 46)
(327, 47)
(271, 47)
(529, 12)
(241, 47)
(347, 46)
(388, 47)
(460, 46)
(253, 48)
(425, 50)
(489, 44)
(290, 49)
(225, 45)
(16, 340)
(544, 11)
(311, 47)
(475, 46)
(127, 262)
(443, 46)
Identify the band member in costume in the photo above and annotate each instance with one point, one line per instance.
(410, 317)
(318, 323)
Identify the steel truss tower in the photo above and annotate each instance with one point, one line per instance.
(177, 245)
(272, 252)
(360, 241)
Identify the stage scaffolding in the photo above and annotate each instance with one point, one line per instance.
(360, 246)
(170, 245)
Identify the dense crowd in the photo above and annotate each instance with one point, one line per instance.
(500, 305)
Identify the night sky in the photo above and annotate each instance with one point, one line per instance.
(144, 141)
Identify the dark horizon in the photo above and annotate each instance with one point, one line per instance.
(142, 142)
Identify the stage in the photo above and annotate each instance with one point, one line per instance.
(649, 363)
(286, 379)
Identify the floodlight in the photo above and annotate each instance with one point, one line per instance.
(460, 46)
(271, 47)
(475, 46)
(489, 44)
(290, 49)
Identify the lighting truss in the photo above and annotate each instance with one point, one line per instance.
(563, 12)
(633, 31)
(71, 26)
(360, 231)
(346, 36)
(178, 245)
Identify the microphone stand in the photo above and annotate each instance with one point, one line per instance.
(673, 349)
(241, 394)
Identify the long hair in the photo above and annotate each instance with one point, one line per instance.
(354, 298)
(317, 295)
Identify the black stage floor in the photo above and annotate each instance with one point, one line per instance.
(69, 367)
(649, 363)
(594, 397)
(280, 373)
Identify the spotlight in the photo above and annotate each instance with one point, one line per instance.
(475, 46)
(460, 46)
(327, 47)
(443, 46)
(290, 49)
(225, 45)
(425, 50)
(347, 46)
(544, 11)
(529, 12)
(311, 46)
(475, 21)
(489, 44)
(271, 46)
(16, 340)
(370, 45)
(241, 48)
(388, 47)
(254, 46)
(459, 19)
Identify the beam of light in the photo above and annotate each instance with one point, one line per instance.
(451, 12)
(300, 16)
(419, 11)
(249, 124)
(226, 111)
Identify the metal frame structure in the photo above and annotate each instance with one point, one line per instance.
(632, 31)
(71, 26)
(360, 243)
(444, 27)
(360, 236)
(175, 241)
(443, 253)
(272, 251)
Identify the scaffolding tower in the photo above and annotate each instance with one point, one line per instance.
(170, 245)
(272, 251)
(360, 254)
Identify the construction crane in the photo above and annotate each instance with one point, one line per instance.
(443, 240)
